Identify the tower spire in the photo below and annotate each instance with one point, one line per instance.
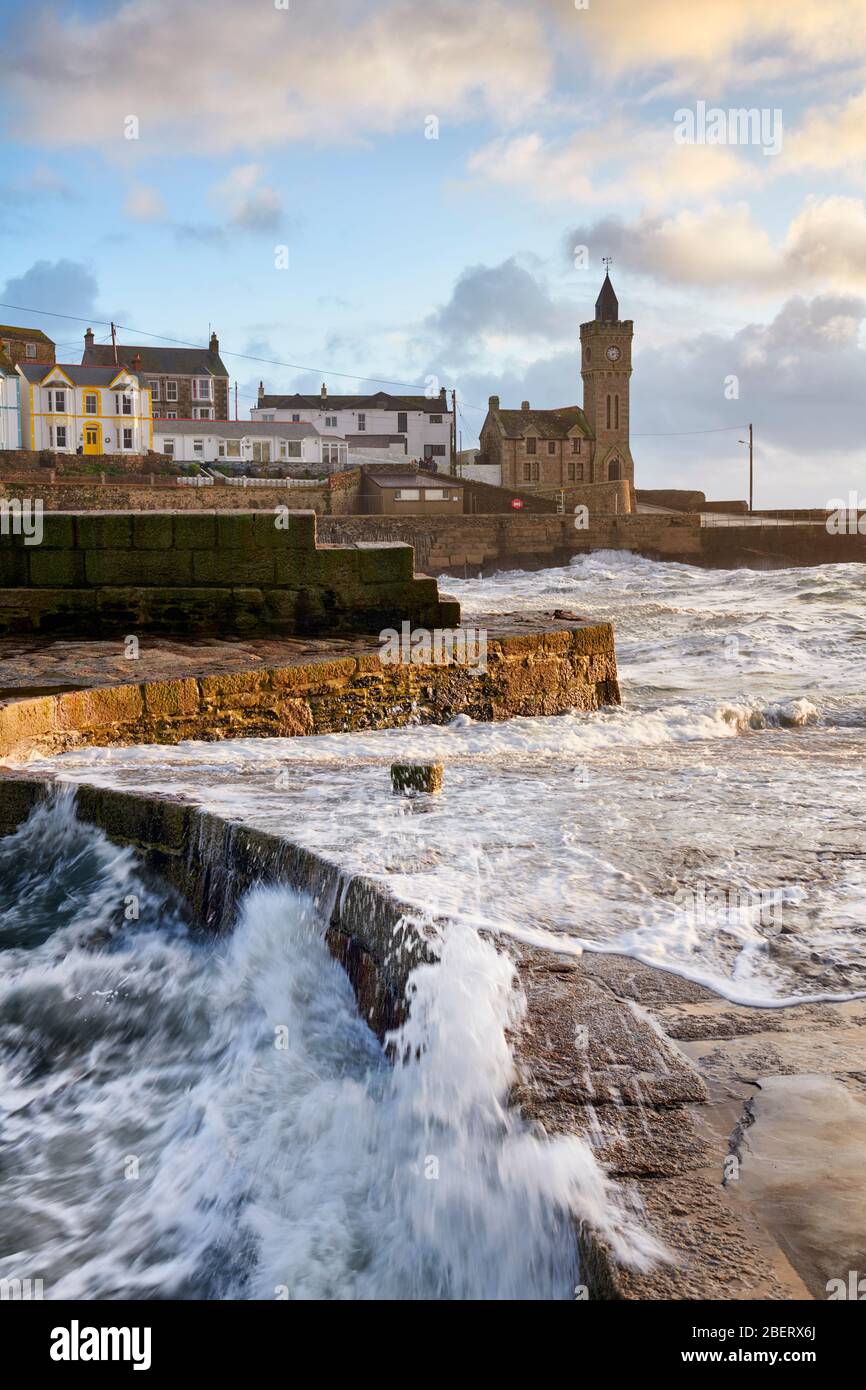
(607, 304)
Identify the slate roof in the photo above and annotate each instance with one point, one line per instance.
(239, 429)
(7, 330)
(382, 400)
(162, 361)
(413, 480)
(547, 424)
(78, 375)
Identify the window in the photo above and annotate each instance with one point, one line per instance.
(290, 449)
(30, 349)
(402, 421)
(434, 494)
(198, 447)
(127, 438)
(332, 453)
(535, 472)
(609, 410)
(575, 446)
(437, 451)
(407, 494)
(435, 419)
(171, 415)
(202, 412)
(123, 405)
(58, 433)
(261, 451)
(296, 419)
(154, 390)
(551, 446)
(616, 412)
(230, 448)
(57, 402)
(527, 472)
(171, 395)
(331, 421)
(168, 448)
(91, 403)
(202, 388)
(531, 445)
(362, 421)
(156, 415)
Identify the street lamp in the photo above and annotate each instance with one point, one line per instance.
(750, 442)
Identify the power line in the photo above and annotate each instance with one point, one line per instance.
(244, 356)
(319, 371)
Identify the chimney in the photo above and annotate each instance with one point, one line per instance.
(88, 340)
(214, 344)
(261, 390)
(524, 406)
(442, 395)
(493, 402)
(324, 393)
(136, 362)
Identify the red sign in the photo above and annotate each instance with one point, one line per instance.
(517, 503)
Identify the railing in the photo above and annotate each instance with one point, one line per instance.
(273, 482)
(724, 519)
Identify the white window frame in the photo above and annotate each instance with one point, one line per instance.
(362, 421)
(407, 494)
(127, 430)
(171, 394)
(202, 412)
(30, 350)
(153, 387)
(202, 389)
(168, 448)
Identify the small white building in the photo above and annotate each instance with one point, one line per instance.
(10, 410)
(92, 410)
(241, 443)
(423, 424)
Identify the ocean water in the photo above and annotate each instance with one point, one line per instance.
(184, 1117)
(713, 825)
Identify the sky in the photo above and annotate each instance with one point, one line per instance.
(374, 191)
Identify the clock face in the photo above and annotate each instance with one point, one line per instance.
(613, 354)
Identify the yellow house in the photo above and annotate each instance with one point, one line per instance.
(71, 409)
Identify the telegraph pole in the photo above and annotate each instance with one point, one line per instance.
(114, 342)
(751, 472)
(454, 431)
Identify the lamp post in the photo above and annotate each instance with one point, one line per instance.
(751, 443)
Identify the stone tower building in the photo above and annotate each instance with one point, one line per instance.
(555, 451)
(605, 344)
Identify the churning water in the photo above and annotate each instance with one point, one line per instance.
(189, 1117)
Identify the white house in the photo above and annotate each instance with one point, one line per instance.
(423, 424)
(239, 443)
(10, 417)
(97, 410)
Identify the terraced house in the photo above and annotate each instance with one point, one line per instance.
(90, 410)
(25, 344)
(184, 383)
(548, 449)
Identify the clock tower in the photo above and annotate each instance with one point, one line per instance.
(605, 344)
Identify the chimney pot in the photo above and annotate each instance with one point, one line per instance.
(524, 405)
(493, 402)
(261, 390)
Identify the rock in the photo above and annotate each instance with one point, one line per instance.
(416, 777)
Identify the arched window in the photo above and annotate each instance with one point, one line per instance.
(614, 470)
(608, 411)
(616, 412)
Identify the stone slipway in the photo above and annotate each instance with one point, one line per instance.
(58, 694)
(667, 1081)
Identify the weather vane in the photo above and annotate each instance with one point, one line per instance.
(606, 262)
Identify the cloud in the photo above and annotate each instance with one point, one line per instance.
(615, 162)
(249, 76)
(248, 204)
(824, 244)
(723, 38)
(58, 287)
(144, 204)
(502, 301)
